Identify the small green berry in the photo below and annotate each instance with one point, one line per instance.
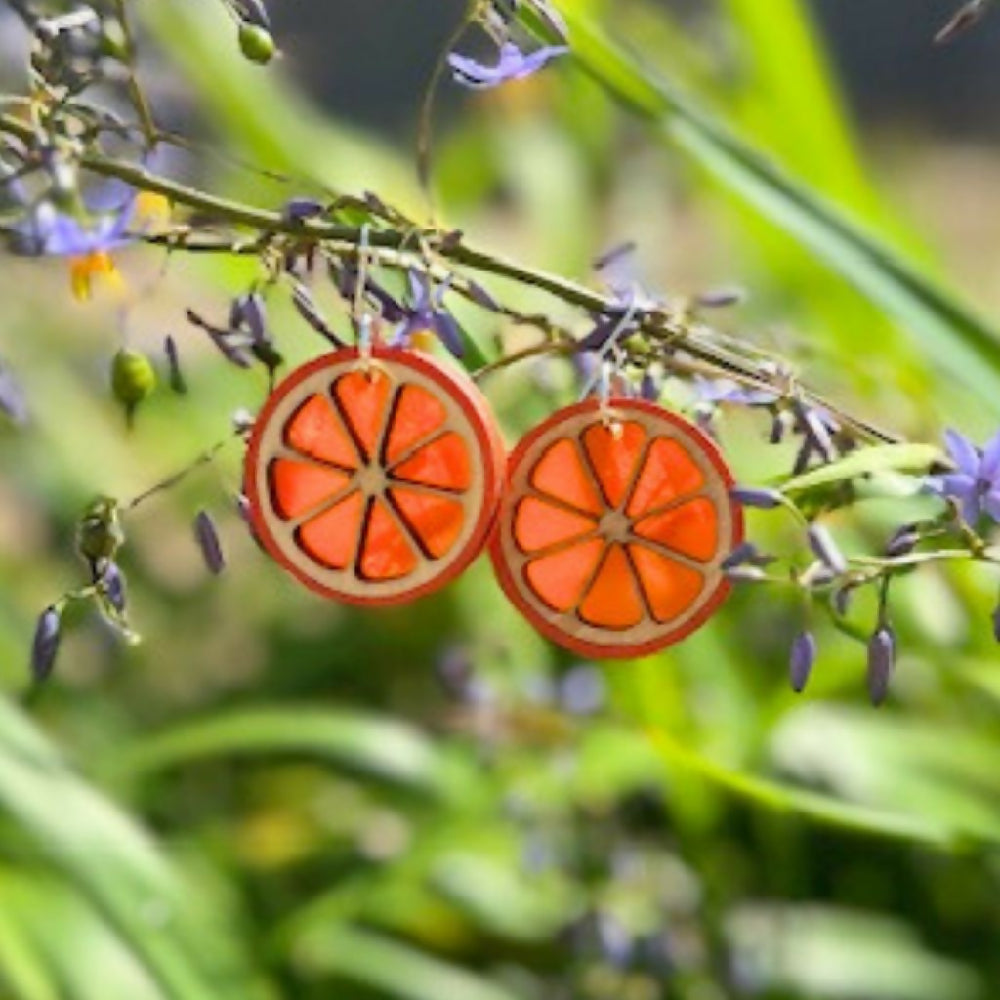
(132, 379)
(256, 43)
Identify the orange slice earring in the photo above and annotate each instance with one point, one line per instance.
(374, 479)
(615, 524)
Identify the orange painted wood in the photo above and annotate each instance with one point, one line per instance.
(374, 481)
(615, 523)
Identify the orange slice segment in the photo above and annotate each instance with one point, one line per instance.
(364, 399)
(559, 579)
(668, 473)
(331, 537)
(538, 525)
(317, 432)
(671, 587)
(443, 463)
(386, 553)
(614, 600)
(614, 454)
(435, 520)
(560, 473)
(691, 529)
(298, 487)
(417, 416)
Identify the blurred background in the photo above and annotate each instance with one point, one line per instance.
(276, 797)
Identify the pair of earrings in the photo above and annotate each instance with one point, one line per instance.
(377, 478)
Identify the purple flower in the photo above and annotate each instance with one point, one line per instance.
(513, 64)
(47, 232)
(975, 483)
(724, 390)
(426, 313)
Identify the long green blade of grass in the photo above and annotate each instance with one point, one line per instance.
(948, 331)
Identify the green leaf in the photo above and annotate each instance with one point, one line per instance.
(365, 745)
(780, 797)
(948, 331)
(112, 864)
(390, 968)
(497, 899)
(910, 458)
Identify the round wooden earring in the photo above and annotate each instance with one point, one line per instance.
(614, 526)
(374, 480)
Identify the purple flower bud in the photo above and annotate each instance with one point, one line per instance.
(826, 550)
(45, 645)
(720, 298)
(253, 312)
(881, 663)
(842, 600)
(113, 586)
(301, 209)
(222, 339)
(746, 554)
(448, 332)
(801, 661)
(482, 297)
(177, 381)
(902, 542)
(599, 336)
(758, 498)
(779, 425)
(208, 541)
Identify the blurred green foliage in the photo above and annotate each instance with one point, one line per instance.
(275, 797)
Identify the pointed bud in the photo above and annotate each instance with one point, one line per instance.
(113, 586)
(177, 381)
(902, 542)
(842, 600)
(758, 498)
(301, 209)
(881, 663)
(720, 298)
(449, 334)
(207, 538)
(482, 297)
(826, 550)
(45, 645)
(801, 661)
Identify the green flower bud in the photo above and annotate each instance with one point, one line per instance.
(133, 379)
(99, 532)
(256, 43)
